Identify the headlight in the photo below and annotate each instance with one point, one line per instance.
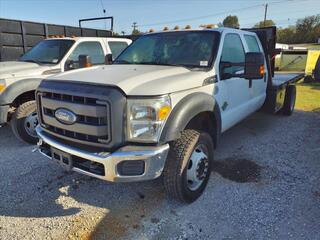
(2, 85)
(146, 118)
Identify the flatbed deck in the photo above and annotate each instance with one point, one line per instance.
(276, 91)
(284, 78)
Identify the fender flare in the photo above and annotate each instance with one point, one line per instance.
(189, 107)
(16, 89)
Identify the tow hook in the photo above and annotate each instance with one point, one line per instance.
(39, 144)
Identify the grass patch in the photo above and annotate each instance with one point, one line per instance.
(308, 97)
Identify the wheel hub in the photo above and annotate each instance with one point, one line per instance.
(198, 167)
(30, 124)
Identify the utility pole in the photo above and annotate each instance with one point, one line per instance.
(265, 14)
(134, 25)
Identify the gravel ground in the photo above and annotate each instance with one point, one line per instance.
(265, 185)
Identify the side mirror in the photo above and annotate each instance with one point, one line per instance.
(84, 61)
(108, 59)
(254, 65)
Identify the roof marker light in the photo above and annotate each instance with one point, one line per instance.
(187, 27)
(176, 28)
(208, 26)
(165, 29)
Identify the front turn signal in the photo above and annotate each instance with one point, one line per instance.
(163, 112)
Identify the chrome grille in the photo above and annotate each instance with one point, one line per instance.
(93, 117)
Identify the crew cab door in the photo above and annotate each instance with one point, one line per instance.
(234, 102)
(258, 86)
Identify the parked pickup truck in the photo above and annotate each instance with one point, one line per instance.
(161, 107)
(19, 79)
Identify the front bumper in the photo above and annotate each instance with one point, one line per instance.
(4, 114)
(153, 159)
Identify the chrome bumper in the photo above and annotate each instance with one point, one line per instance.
(154, 159)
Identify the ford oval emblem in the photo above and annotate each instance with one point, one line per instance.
(65, 116)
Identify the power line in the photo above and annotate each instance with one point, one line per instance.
(200, 17)
(215, 14)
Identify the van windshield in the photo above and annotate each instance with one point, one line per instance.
(191, 49)
(48, 51)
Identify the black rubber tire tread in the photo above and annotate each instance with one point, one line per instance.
(17, 122)
(290, 92)
(175, 168)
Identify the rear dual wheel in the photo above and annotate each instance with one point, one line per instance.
(289, 100)
(188, 166)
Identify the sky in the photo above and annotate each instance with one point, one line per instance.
(157, 14)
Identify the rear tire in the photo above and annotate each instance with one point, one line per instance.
(24, 121)
(289, 100)
(188, 166)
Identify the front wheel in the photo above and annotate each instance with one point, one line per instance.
(24, 122)
(188, 166)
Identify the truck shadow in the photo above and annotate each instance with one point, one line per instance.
(44, 190)
(238, 170)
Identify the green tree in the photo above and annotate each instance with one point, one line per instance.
(308, 29)
(267, 23)
(286, 35)
(231, 21)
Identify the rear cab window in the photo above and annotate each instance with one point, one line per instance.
(252, 43)
(117, 47)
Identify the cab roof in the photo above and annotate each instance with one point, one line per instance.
(217, 29)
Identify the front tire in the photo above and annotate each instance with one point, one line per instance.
(24, 122)
(188, 166)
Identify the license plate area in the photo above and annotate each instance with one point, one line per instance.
(64, 159)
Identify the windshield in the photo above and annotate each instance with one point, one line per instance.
(194, 49)
(48, 51)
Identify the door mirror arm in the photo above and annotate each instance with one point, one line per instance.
(108, 59)
(69, 64)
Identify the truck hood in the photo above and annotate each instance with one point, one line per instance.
(16, 69)
(142, 80)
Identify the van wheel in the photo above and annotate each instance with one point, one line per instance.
(24, 122)
(188, 166)
(289, 100)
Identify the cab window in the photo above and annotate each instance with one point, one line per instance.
(252, 43)
(232, 52)
(117, 48)
(92, 49)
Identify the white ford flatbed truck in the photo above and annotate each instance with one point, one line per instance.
(19, 79)
(161, 107)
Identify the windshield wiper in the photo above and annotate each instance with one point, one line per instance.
(31, 60)
(165, 64)
(122, 62)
